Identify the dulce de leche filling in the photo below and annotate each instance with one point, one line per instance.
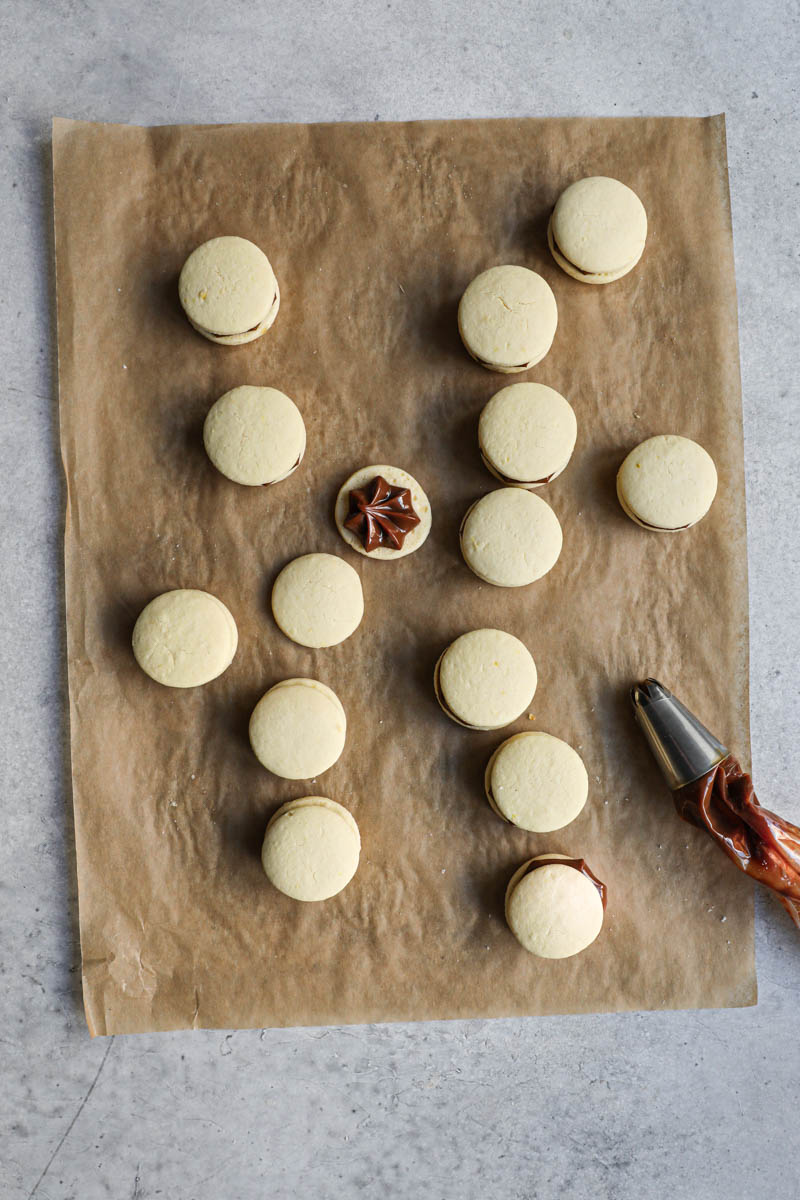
(525, 483)
(291, 471)
(663, 528)
(506, 366)
(381, 515)
(578, 864)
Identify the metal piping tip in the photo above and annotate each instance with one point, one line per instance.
(683, 747)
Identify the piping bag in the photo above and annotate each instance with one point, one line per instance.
(711, 790)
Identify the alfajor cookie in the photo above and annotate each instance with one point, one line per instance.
(536, 781)
(597, 230)
(255, 435)
(507, 318)
(510, 537)
(526, 434)
(667, 483)
(317, 600)
(555, 906)
(184, 638)
(485, 679)
(228, 291)
(311, 848)
(297, 729)
(382, 512)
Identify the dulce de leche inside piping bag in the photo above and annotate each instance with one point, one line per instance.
(711, 790)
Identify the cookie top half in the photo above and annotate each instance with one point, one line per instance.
(184, 638)
(317, 600)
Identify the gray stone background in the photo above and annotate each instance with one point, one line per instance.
(699, 1105)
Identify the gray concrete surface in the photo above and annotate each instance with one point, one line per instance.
(680, 1105)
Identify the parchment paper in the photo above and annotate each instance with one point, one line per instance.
(374, 230)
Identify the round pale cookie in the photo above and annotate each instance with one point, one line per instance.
(510, 537)
(397, 480)
(597, 230)
(485, 679)
(184, 638)
(298, 728)
(526, 434)
(554, 911)
(667, 483)
(228, 291)
(255, 435)
(317, 600)
(536, 781)
(311, 848)
(507, 319)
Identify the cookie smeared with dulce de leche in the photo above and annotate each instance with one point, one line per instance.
(382, 512)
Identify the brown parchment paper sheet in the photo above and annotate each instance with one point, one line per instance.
(374, 230)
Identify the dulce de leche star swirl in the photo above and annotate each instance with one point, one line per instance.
(381, 515)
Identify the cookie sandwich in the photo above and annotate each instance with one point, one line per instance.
(485, 679)
(507, 318)
(526, 434)
(228, 290)
(597, 230)
(255, 435)
(311, 848)
(537, 782)
(510, 537)
(667, 484)
(298, 729)
(555, 906)
(185, 638)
